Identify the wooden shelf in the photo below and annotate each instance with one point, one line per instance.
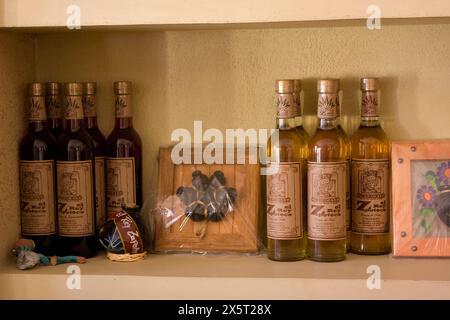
(53, 13)
(183, 276)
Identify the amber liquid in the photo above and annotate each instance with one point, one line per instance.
(328, 144)
(370, 142)
(300, 129)
(124, 142)
(291, 147)
(39, 144)
(75, 144)
(348, 200)
(56, 127)
(90, 123)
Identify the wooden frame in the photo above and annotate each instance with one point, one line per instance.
(417, 226)
(238, 232)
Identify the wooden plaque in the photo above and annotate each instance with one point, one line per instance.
(421, 198)
(237, 232)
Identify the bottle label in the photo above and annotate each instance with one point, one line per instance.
(89, 106)
(284, 201)
(328, 105)
(286, 106)
(327, 200)
(348, 198)
(370, 196)
(73, 108)
(36, 110)
(123, 106)
(298, 103)
(129, 233)
(75, 198)
(37, 197)
(53, 107)
(369, 105)
(100, 198)
(120, 184)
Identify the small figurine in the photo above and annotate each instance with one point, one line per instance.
(27, 258)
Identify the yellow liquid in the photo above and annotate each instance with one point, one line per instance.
(328, 144)
(370, 142)
(291, 147)
(348, 212)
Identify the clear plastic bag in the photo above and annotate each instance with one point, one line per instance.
(207, 208)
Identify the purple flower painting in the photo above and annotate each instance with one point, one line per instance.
(426, 196)
(443, 173)
(432, 201)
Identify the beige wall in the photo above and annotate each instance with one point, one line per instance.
(16, 69)
(225, 77)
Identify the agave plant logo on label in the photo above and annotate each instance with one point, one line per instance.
(370, 105)
(328, 106)
(73, 109)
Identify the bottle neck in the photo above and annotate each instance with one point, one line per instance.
(328, 124)
(36, 126)
(90, 122)
(73, 113)
(124, 123)
(123, 111)
(286, 123)
(370, 121)
(328, 110)
(369, 108)
(55, 123)
(73, 124)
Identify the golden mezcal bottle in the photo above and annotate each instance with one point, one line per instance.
(287, 150)
(370, 177)
(348, 199)
(327, 167)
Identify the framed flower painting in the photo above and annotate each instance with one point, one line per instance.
(421, 198)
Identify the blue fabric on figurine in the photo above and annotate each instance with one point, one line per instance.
(28, 259)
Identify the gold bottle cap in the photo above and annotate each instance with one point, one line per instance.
(284, 86)
(122, 87)
(53, 88)
(73, 88)
(369, 84)
(297, 85)
(89, 88)
(328, 86)
(36, 89)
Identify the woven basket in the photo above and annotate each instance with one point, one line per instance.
(126, 257)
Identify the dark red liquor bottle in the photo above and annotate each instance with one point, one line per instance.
(37, 176)
(124, 155)
(53, 103)
(76, 179)
(90, 123)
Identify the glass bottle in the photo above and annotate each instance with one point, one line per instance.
(90, 123)
(348, 203)
(76, 180)
(37, 153)
(54, 108)
(327, 167)
(124, 156)
(286, 218)
(370, 177)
